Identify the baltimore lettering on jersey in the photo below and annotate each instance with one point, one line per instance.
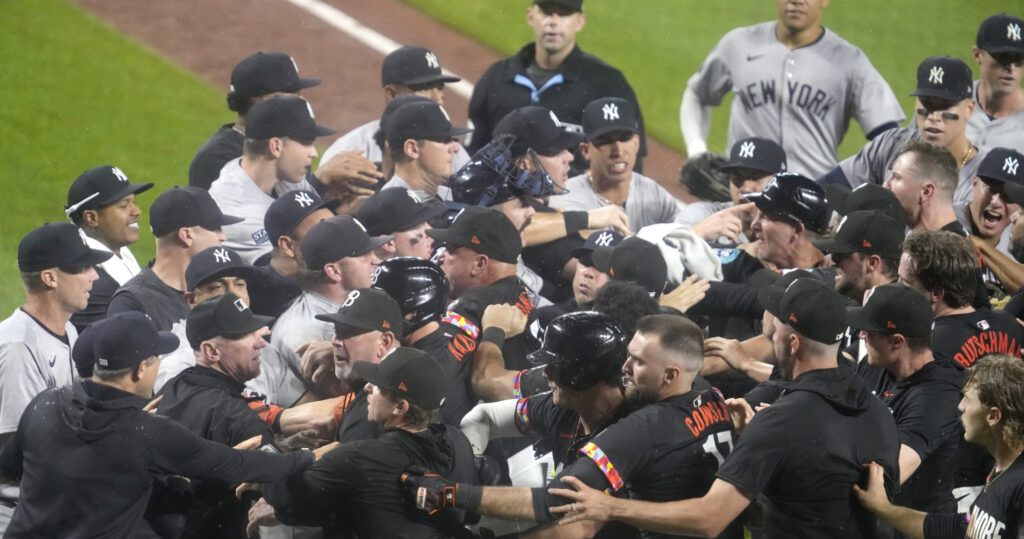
(986, 342)
(982, 525)
(759, 94)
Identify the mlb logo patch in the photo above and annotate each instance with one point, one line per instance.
(983, 325)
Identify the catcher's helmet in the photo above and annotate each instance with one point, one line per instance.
(418, 285)
(582, 349)
(492, 177)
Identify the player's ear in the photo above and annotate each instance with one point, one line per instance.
(401, 407)
(287, 245)
(671, 372)
(525, 164)
(411, 148)
(585, 150)
(49, 277)
(581, 21)
(390, 92)
(275, 145)
(190, 298)
(209, 351)
(994, 416)
(90, 218)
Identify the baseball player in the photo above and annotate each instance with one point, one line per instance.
(999, 113)
(943, 106)
(612, 130)
(101, 201)
(803, 454)
(423, 143)
(634, 456)
(401, 214)
(278, 154)
(408, 70)
(794, 82)
(989, 215)
(990, 414)
(552, 72)
(254, 79)
(56, 265)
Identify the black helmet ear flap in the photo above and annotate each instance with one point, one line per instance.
(418, 285)
(582, 349)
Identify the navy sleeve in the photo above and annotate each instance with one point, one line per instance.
(834, 176)
(124, 301)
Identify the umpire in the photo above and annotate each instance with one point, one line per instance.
(354, 488)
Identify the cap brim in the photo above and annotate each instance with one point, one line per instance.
(857, 319)
(426, 79)
(371, 244)
(459, 131)
(602, 258)
(937, 94)
(566, 140)
(729, 167)
(830, 245)
(610, 129)
(130, 189)
(166, 342)
(349, 327)
(427, 213)
(1015, 192)
(764, 277)
(370, 372)
(222, 221)
(443, 235)
(760, 201)
(769, 298)
(93, 257)
(246, 272)
(309, 83)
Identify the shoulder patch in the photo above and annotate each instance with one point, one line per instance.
(260, 236)
(726, 256)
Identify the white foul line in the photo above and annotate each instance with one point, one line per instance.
(368, 36)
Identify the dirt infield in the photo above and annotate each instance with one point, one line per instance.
(209, 37)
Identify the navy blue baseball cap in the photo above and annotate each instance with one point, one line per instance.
(420, 120)
(215, 262)
(98, 187)
(945, 78)
(180, 207)
(283, 116)
(332, 239)
(607, 115)
(394, 210)
(412, 65)
(536, 128)
(1001, 33)
(266, 73)
(597, 250)
(56, 245)
(129, 340)
(1002, 165)
(285, 213)
(756, 153)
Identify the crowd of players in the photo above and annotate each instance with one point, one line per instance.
(524, 336)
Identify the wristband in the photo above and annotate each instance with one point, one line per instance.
(494, 335)
(467, 496)
(575, 221)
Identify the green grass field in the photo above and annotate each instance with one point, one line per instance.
(74, 93)
(658, 44)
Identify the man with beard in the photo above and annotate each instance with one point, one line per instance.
(945, 102)
(800, 456)
(635, 456)
(866, 250)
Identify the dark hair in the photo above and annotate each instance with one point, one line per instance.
(944, 261)
(626, 302)
(241, 105)
(933, 162)
(890, 267)
(676, 334)
(920, 343)
(33, 281)
(999, 380)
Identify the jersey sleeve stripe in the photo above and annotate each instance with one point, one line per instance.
(605, 465)
(462, 323)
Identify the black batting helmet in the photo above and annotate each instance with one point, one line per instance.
(418, 285)
(492, 177)
(582, 349)
(794, 197)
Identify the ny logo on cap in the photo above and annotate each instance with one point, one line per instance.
(352, 297)
(310, 109)
(221, 256)
(610, 111)
(1010, 165)
(120, 175)
(303, 199)
(936, 74)
(432, 60)
(81, 234)
(604, 239)
(747, 150)
(1013, 31)
(240, 305)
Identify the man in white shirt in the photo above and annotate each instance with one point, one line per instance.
(101, 201)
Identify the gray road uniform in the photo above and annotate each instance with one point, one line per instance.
(874, 161)
(1007, 131)
(647, 204)
(803, 99)
(361, 138)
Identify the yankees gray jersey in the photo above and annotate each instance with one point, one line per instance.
(361, 138)
(236, 194)
(280, 366)
(963, 214)
(803, 98)
(396, 182)
(1007, 131)
(874, 161)
(648, 203)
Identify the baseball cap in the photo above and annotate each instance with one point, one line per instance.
(411, 65)
(129, 340)
(809, 306)
(868, 232)
(285, 213)
(636, 260)
(98, 187)
(893, 308)
(56, 245)
(411, 373)
(944, 77)
(599, 244)
(1001, 33)
(756, 153)
(225, 315)
(266, 73)
(180, 207)
(332, 239)
(575, 5)
(283, 116)
(1002, 165)
(765, 277)
(83, 353)
(420, 120)
(394, 210)
(536, 128)
(365, 310)
(608, 114)
(794, 197)
(866, 196)
(484, 230)
(381, 135)
(704, 178)
(214, 262)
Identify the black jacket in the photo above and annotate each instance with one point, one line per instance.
(355, 488)
(87, 455)
(587, 78)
